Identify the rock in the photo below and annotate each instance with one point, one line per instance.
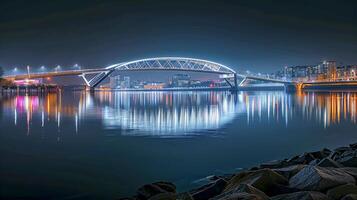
(319, 179)
(321, 154)
(184, 196)
(163, 196)
(306, 158)
(350, 170)
(243, 191)
(353, 146)
(350, 197)
(304, 195)
(242, 196)
(338, 151)
(274, 164)
(341, 191)
(348, 161)
(266, 180)
(209, 191)
(314, 162)
(341, 149)
(350, 152)
(150, 190)
(328, 162)
(290, 171)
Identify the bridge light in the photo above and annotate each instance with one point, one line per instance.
(42, 68)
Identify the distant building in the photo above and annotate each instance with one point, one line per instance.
(125, 83)
(137, 84)
(181, 80)
(196, 83)
(346, 72)
(114, 81)
(327, 70)
(154, 85)
(300, 73)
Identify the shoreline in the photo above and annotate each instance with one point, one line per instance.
(322, 175)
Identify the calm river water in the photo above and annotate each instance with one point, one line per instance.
(107, 144)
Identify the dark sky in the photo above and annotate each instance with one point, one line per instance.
(256, 35)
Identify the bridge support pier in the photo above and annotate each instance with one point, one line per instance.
(235, 82)
(290, 87)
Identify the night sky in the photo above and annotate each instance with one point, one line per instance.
(260, 36)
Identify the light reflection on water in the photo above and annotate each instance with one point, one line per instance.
(58, 145)
(172, 114)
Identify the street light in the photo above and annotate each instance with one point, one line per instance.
(76, 66)
(58, 68)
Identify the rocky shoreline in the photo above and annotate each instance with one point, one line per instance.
(320, 175)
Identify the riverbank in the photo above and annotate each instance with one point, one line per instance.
(319, 175)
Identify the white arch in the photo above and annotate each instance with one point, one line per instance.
(173, 63)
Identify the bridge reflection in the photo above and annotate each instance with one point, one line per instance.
(178, 113)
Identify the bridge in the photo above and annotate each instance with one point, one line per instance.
(153, 64)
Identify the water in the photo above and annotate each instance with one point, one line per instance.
(105, 145)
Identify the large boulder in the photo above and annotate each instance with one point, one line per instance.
(348, 160)
(242, 196)
(243, 191)
(306, 158)
(266, 180)
(353, 146)
(336, 153)
(350, 170)
(321, 154)
(328, 162)
(164, 196)
(290, 171)
(350, 197)
(341, 191)
(209, 191)
(150, 190)
(274, 164)
(304, 195)
(319, 179)
(184, 196)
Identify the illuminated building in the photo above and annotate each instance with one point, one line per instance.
(154, 85)
(181, 80)
(125, 84)
(347, 72)
(300, 73)
(327, 70)
(114, 81)
(27, 82)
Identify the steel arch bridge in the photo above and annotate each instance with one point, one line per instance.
(93, 77)
(161, 64)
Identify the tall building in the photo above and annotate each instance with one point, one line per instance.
(114, 81)
(181, 80)
(300, 73)
(347, 72)
(125, 83)
(327, 70)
